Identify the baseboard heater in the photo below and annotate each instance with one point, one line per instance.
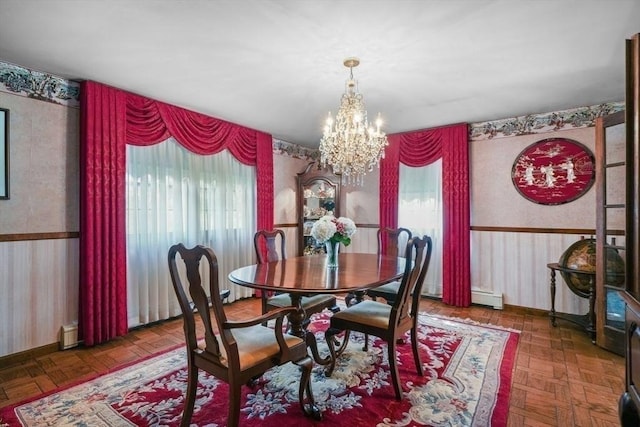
(478, 297)
(68, 336)
(487, 298)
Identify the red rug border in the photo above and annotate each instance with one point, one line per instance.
(501, 415)
(507, 364)
(89, 377)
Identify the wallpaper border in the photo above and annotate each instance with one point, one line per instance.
(290, 149)
(37, 85)
(46, 87)
(542, 123)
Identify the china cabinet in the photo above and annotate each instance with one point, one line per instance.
(630, 399)
(610, 225)
(318, 195)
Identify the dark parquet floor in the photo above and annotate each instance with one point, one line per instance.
(560, 378)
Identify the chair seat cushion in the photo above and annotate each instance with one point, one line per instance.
(256, 344)
(310, 304)
(390, 288)
(368, 313)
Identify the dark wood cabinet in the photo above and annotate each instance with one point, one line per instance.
(630, 400)
(610, 243)
(318, 195)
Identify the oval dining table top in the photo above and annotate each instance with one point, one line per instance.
(310, 274)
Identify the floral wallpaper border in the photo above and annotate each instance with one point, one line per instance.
(46, 87)
(542, 123)
(35, 84)
(289, 149)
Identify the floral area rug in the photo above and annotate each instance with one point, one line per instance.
(467, 380)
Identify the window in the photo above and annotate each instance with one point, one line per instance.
(175, 196)
(420, 210)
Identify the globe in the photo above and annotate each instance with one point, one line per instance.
(581, 256)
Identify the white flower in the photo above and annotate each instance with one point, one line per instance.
(348, 226)
(324, 229)
(330, 228)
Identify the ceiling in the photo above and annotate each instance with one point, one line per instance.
(276, 66)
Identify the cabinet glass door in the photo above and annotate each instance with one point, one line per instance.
(319, 199)
(610, 231)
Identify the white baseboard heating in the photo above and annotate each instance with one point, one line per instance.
(487, 298)
(68, 336)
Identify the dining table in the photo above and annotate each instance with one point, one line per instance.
(309, 275)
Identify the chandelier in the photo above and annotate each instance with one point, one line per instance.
(349, 144)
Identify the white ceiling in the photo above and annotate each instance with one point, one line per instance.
(277, 66)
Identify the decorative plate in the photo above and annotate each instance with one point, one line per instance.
(553, 171)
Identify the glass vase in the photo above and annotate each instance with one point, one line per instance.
(332, 249)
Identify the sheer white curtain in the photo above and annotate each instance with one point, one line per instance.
(175, 196)
(420, 210)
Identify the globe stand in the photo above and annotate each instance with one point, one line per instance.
(587, 321)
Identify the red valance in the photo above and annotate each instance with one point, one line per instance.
(150, 122)
(422, 147)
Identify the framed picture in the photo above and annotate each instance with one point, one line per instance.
(4, 153)
(553, 171)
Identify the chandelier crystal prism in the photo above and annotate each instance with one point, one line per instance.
(349, 144)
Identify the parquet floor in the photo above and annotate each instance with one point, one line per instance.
(560, 378)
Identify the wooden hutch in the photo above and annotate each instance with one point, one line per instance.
(630, 399)
(318, 194)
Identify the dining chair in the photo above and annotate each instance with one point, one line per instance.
(236, 352)
(388, 322)
(394, 237)
(275, 244)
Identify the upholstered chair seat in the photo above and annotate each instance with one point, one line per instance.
(311, 304)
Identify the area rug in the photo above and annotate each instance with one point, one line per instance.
(467, 380)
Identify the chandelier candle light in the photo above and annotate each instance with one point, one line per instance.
(332, 231)
(349, 144)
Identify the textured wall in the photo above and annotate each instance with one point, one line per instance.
(496, 202)
(43, 156)
(39, 278)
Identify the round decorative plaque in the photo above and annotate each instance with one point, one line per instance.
(553, 171)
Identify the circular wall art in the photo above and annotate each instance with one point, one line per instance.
(553, 171)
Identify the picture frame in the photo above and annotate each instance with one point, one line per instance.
(4, 154)
(553, 171)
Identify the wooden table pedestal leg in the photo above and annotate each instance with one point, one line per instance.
(297, 328)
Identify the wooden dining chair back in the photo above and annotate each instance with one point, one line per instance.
(392, 239)
(235, 352)
(275, 250)
(389, 323)
(275, 245)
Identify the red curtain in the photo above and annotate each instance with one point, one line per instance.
(420, 148)
(103, 270)
(111, 118)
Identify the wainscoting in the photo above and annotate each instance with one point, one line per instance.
(514, 264)
(40, 278)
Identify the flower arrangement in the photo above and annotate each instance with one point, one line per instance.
(331, 229)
